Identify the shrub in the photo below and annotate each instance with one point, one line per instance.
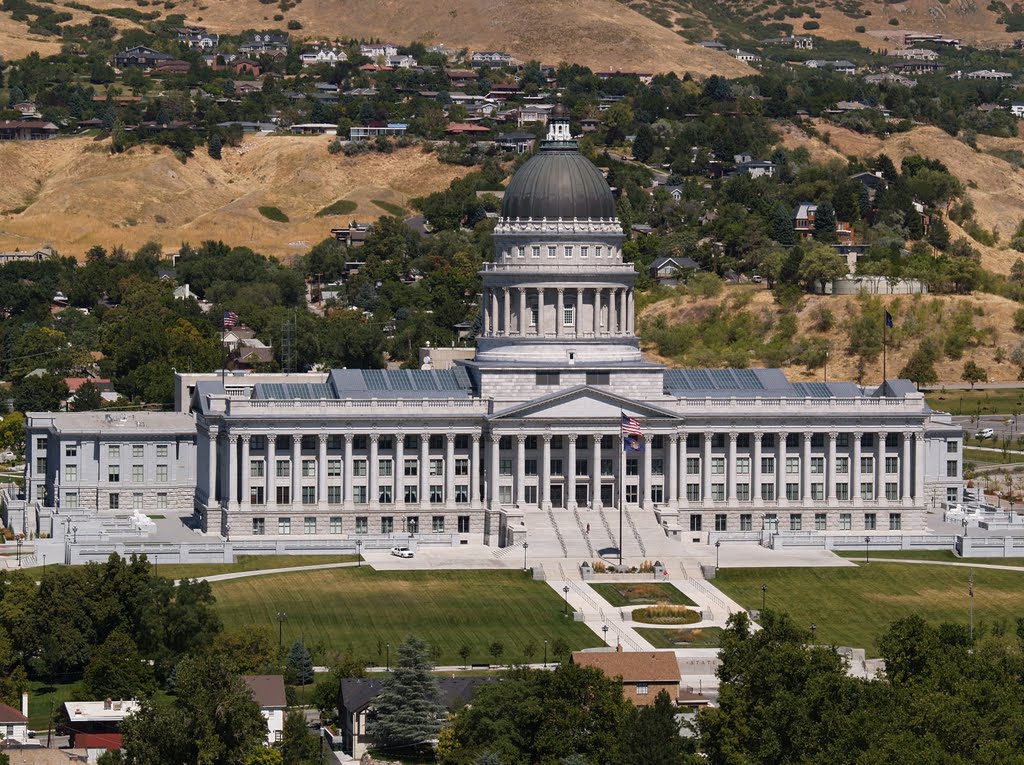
(860, 30)
(812, 25)
(341, 207)
(663, 613)
(278, 17)
(1018, 320)
(273, 213)
(894, 22)
(293, 24)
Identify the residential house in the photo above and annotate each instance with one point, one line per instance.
(103, 385)
(401, 61)
(268, 691)
(745, 56)
(197, 37)
(27, 110)
(533, 114)
(244, 66)
(644, 674)
(914, 38)
(590, 124)
(353, 235)
(96, 725)
(803, 223)
(676, 192)
(915, 54)
(800, 42)
(26, 130)
(31, 256)
(265, 44)
(322, 56)
(356, 704)
(890, 78)
(374, 129)
(491, 58)
(841, 66)
(874, 182)
(315, 128)
(988, 74)
(917, 67)
(245, 87)
(14, 724)
(713, 45)
(174, 66)
(465, 128)
(504, 90)
(670, 270)
(378, 50)
(1017, 108)
(645, 78)
(140, 57)
(755, 169)
(461, 77)
(518, 141)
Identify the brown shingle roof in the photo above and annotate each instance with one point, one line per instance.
(268, 690)
(632, 666)
(9, 714)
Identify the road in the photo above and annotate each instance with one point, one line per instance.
(1004, 425)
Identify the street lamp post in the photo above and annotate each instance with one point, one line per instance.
(74, 538)
(387, 659)
(359, 553)
(814, 627)
(867, 550)
(20, 542)
(566, 591)
(718, 547)
(545, 654)
(526, 546)
(764, 595)
(281, 616)
(604, 629)
(44, 564)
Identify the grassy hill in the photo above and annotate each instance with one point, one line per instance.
(72, 193)
(994, 183)
(993, 319)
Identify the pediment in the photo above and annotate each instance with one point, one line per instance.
(584, 403)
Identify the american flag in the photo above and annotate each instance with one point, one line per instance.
(230, 319)
(630, 426)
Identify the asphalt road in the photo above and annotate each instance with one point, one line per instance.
(1004, 425)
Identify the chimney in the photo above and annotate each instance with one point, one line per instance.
(24, 703)
(618, 648)
(107, 704)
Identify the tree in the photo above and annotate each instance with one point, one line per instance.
(820, 265)
(118, 137)
(920, 367)
(265, 756)
(252, 651)
(117, 671)
(299, 669)
(643, 144)
(938, 234)
(12, 431)
(87, 398)
(464, 653)
(298, 747)
(825, 224)
(780, 225)
(973, 374)
(652, 738)
(496, 649)
(213, 146)
(408, 709)
(39, 394)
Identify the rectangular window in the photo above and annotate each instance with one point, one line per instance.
(642, 689)
(256, 468)
(767, 465)
(867, 490)
(114, 500)
(385, 495)
(71, 472)
(259, 526)
(411, 467)
(436, 493)
(71, 450)
(113, 450)
(136, 450)
(567, 250)
(362, 524)
(161, 473)
(461, 493)
(792, 465)
(632, 494)
(657, 493)
(309, 495)
(584, 251)
(520, 252)
(598, 250)
(437, 524)
(693, 465)
(535, 251)
(334, 495)
(137, 500)
(951, 469)
(867, 465)
(334, 468)
(817, 465)
(463, 524)
(359, 443)
(695, 522)
(746, 522)
(556, 467)
(284, 526)
(743, 492)
(657, 466)
(693, 492)
(552, 251)
(359, 467)
(505, 495)
(817, 440)
(333, 442)
(845, 521)
(359, 495)
(843, 440)
(385, 468)
(842, 491)
(842, 465)
(309, 468)
(796, 522)
(820, 522)
(41, 465)
(892, 465)
(892, 491)
(768, 492)
(437, 467)
(607, 466)
(284, 468)
(718, 492)
(632, 466)
(387, 525)
(952, 494)
(818, 491)
(547, 378)
(335, 526)
(504, 467)
(114, 473)
(309, 525)
(718, 466)
(870, 521)
(598, 378)
(161, 500)
(256, 496)
(530, 467)
(462, 466)
(952, 447)
(743, 466)
(412, 494)
(895, 522)
(283, 495)
(793, 492)
(721, 522)
(657, 441)
(138, 474)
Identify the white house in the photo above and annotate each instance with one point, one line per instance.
(322, 56)
(14, 724)
(746, 56)
(1017, 108)
(376, 50)
(988, 74)
(268, 691)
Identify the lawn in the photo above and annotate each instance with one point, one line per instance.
(341, 207)
(390, 208)
(995, 458)
(273, 213)
(698, 637)
(942, 555)
(248, 563)
(854, 606)
(621, 594)
(991, 401)
(359, 611)
(41, 694)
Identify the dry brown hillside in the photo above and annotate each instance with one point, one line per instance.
(993, 315)
(995, 186)
(75, 194)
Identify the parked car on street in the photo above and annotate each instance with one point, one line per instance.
(985, 433)
(401, 552)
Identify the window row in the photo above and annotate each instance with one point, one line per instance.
(138, 473)
(137, 499)
(386, 495)
(311, 443)
(796, 522)
(311, 525)
(114, 450)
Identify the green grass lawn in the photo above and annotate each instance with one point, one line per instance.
(390, 208)
(41, 694)
(359, 610)
(273, 213)
(341, 207)
(854, 606)
(995, 458)
(621, 594)
(942, 555)
(248, 563)
(992, 401)
(699, 637)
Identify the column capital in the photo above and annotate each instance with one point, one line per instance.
(561, 290)
(450, 437)
(522, 439)
(758, 435)
(374, 437)
(322, 438)
(246, 437)
(546, 437)
(858, 435)
(476, 438)
(233, 438)
(214, 431)
(833, 435)
(674, 437)
(783, 435)
(348, 438)
(919, 435)
(708, 435)
(495, 439)
(425, 437)
(882, 434)
(733, 436)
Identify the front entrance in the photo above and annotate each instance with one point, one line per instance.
(607, 495)
(582, 495)
(557, 495)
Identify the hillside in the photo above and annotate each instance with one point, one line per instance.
(75, 194)
(601, 34)
(993, 317)
(994, 184)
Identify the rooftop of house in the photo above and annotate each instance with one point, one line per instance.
(9, 715)
(268, 690)
(357, 694)
(100, 711)
(91, 423)
(632, 666)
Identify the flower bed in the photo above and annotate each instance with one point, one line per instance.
(664, 613)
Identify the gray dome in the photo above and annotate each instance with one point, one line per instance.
(558, 182)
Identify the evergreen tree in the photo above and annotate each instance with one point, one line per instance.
(780, 225)
(298, 747)
(938, 234)
(116, 669)
(887, 168)
(213, 146)
(300, 665)
(409, 711)
(118, 137)
(825, 224)
(653, 737)
(643, 144)
(87, 398)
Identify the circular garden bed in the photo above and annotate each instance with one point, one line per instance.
(664, 613)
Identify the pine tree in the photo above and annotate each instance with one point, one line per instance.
(87, 398)
(781, 225)
(300, 665)
(409, 711)
(938, 234)
(825, 223)
(118, 137)
(643, 144)
(213, 146)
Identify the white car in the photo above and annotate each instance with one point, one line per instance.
(986, 433)
(402, 552)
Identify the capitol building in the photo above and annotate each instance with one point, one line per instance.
(524, 437)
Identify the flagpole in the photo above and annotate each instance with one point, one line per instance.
(622, 483)
(971, 594)
(223, 352)
(885, 328)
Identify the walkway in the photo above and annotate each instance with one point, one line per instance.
(265, 571)
(964, 564)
